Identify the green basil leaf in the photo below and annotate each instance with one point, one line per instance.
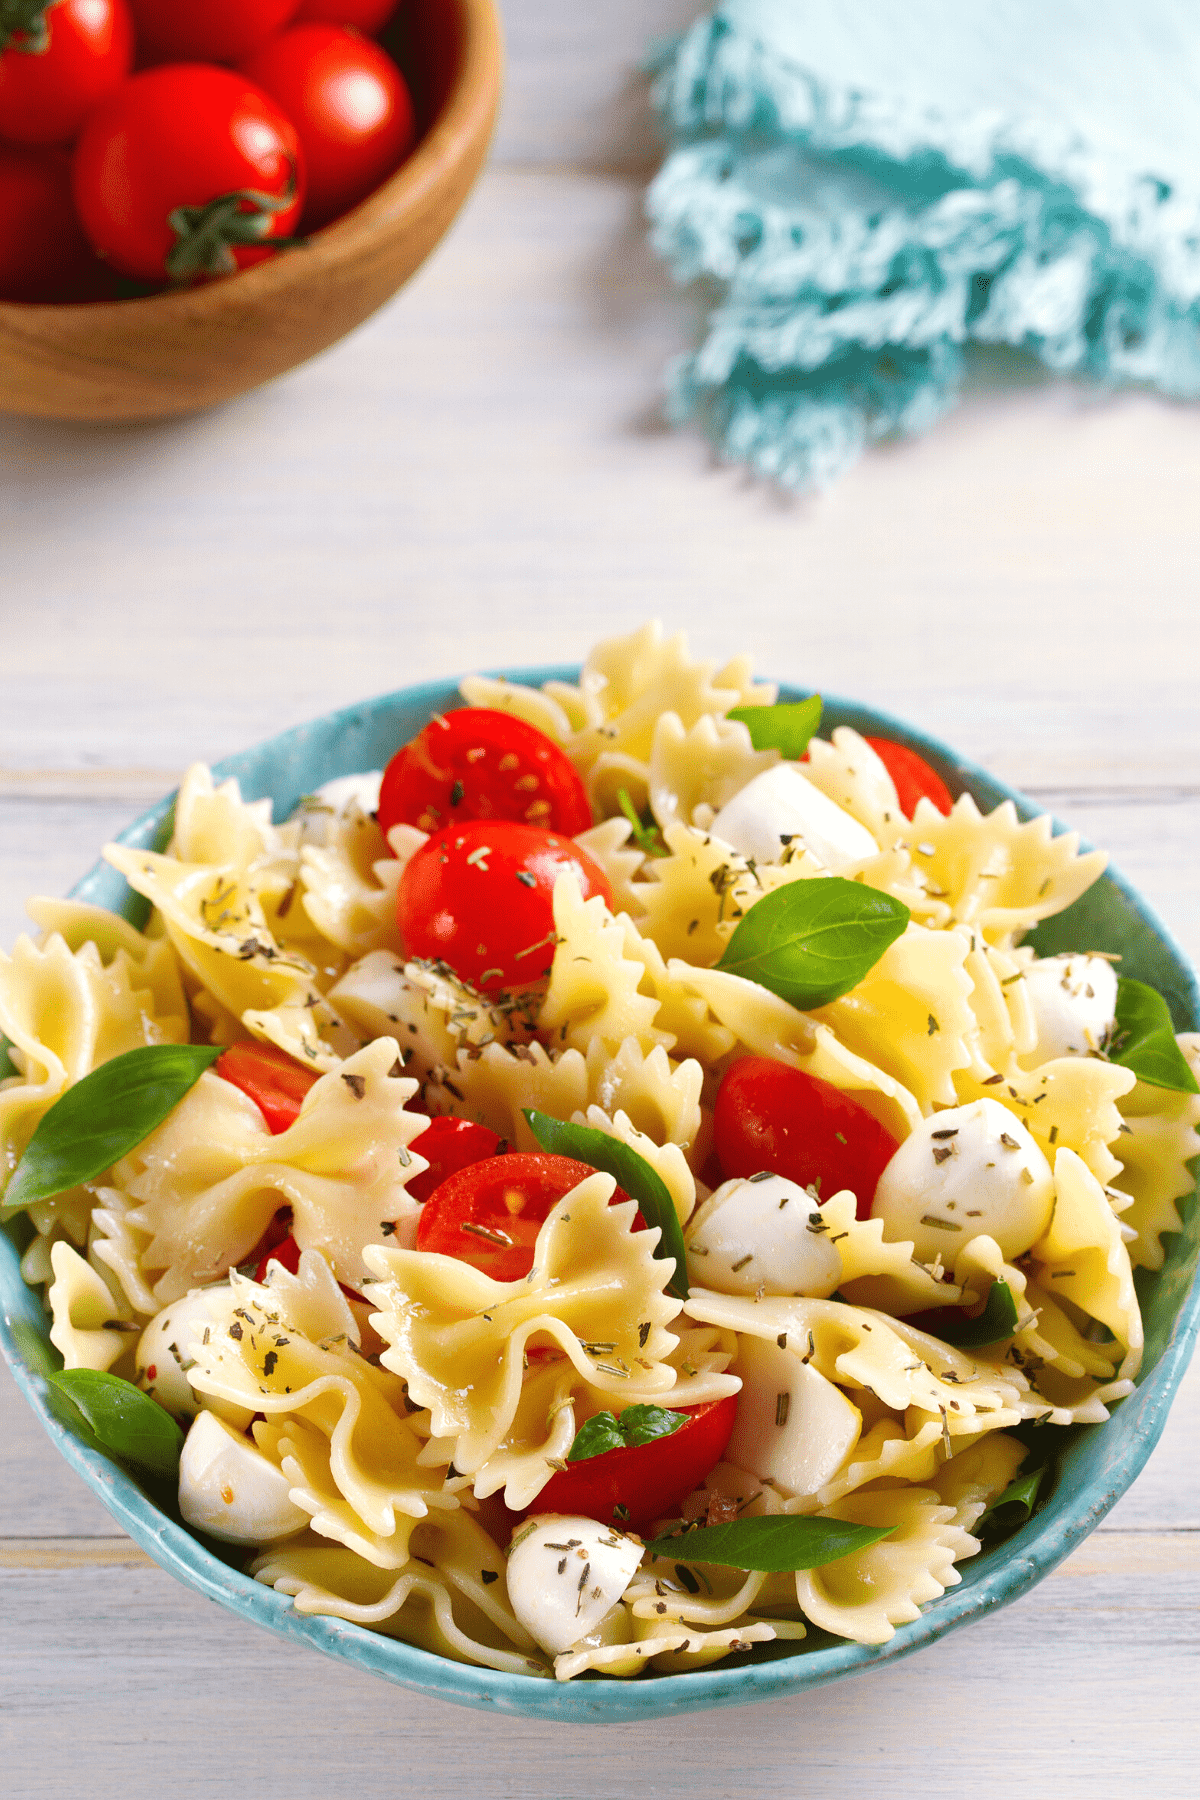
(786, 728)
(812, 941)
(633, 1173)
(773, 1545)
(636, 1425)
(1144, 1039)
(1022, 1493)
(997, 1320)
(105, 1116)
(124, 1420)
(646, 834)
(595, 1437)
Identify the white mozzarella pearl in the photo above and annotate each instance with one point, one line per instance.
(781, 804)
(793, 1427)
(753, 1233)
(969, 1171)
(230, 1490)
(1074, 1000)
(565, 1574)
(164, 1354)
(343, 789)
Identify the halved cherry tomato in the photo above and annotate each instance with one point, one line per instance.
(912, 776)
(348, 101)
(489, 1214)
(283, 1250)
(478, 763)
(274, 1080)
(448, 1146)
(479, 897)
(770, 1116)
(66, 56)
(642, 1482)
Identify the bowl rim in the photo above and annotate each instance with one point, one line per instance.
(466, 112)
(1041, 1545)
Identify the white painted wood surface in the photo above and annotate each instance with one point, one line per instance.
(479, 477)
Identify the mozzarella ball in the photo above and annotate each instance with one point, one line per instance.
(230, 1490)
(781, 805)
(1074, 1000)
(793, 1427)
(969, 1171)
(164, 1355)
(344, 790)
(762, 1232)
(564, 1576)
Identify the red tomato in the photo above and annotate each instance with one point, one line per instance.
(480, 898)
(70, 54)
(642, 1482)
(367, 16)
(489, 1214)
(275, 1081)
(912, 776)
(348, 101)
(183, 171)
(768, 1116)
(448, 1146)
(274, 1247)
(220, 31)
(476, 763)
(43, 252)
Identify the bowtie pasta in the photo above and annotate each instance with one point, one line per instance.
(372, 1419)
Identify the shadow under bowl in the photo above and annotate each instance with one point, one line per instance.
(1096, 1465)
(173, 353)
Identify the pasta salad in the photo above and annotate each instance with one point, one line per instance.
(611, 1190)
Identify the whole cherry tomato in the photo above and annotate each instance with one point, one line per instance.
(348, 101)
(770, 1116)
(489, 1214)
(367, 16)
(480, 897)
(43, 252)
(185, 172)
(66, 56)
(912, 776)
(275, 1081)
(477, 763)
(221, 31)
(448, 1146)
(641, 1482)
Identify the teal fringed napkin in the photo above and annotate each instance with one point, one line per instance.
(867, 188)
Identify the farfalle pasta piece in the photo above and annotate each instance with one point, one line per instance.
(594, 986)
(1000, 1002)
(148, 952)
(975, 1475)
(64, 1012)
(494, 1086)
(998, 874)
(609, 844)
(910, 1014)
(1082, 1258)
(458, 1338)
(878, 1274)
(692, 899)
(667, 1160)
(865, 1595)
(1160, 1136)
(346, 1443)
(661, 1098)
(534, 705)
(215, 825)
(92, 1326)
(669, 1650)
(209, 1180)
(1070, 1103)
(695, 770)
(851, 773)
(349, 885)
(441, 1603)
(429, 1011)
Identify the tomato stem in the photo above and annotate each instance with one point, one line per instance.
(24, 27)
(206, 235)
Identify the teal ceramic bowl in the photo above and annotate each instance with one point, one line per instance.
(1097, 1465)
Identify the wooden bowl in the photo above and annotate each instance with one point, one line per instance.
(178, 352)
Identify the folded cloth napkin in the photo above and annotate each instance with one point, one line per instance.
(867, 188)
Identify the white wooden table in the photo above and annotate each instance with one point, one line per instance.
(479, 477)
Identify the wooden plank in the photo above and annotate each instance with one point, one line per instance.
(147, 1687)
(467, 483)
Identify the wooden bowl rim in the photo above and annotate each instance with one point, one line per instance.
(467, 113)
